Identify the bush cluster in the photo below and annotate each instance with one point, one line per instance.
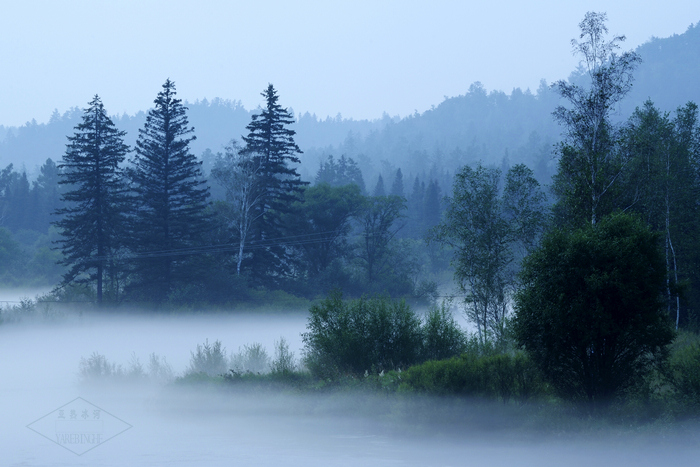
(355, 336)
(684, 366)
(98, 368)
(496, 376)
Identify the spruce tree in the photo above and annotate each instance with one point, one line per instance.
(271, 142)
(95, 197)
(379, 187)
(397, 186)
(170, 198)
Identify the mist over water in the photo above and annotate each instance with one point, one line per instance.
(205, 425)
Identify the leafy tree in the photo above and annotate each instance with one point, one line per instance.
(360, 335)
(664, 186)
(239, 173)
(94, 201)
(272, 144)
(12, 259)
(487, 229)
(322, 221)
(591, 162)
(344, 172)
(379, 223)
(590, 309)
(171, 198)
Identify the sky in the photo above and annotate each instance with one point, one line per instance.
(356, 58)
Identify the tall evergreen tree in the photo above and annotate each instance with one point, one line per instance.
(94, 200)
(432, 210)
(379, 187)
(47, 190)
(397, 186)
(341, 173)
(271, 142)
(416, 209)
(170, 197)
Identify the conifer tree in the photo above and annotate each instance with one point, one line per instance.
(170, 197)
(94, 201)
(397, 186)
(379, 187)
(271, 142)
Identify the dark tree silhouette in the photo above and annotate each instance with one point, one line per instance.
(170, 198)
(590, 311)
(274, 151)
(95, 198)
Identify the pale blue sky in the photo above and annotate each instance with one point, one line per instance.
(358, 58)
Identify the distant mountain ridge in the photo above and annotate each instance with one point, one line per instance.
(495, 127)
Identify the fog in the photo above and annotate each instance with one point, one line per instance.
(205, 425)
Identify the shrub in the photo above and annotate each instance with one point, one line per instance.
(589, 312)
(209, 359)
(283, 363)
(685, 374)
(442, 336)
(96, 367)
(252, 358)
(354, 336)
(159, 370)
(504, 376)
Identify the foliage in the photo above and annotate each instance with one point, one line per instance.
(488, 230)
(159, 370)
(663, 185)
(11, 258)
(322, 221)
(170, 198)
(283, 361)
(589, 311)
(442, 336)
(341, 173)
(95, 199)
(274, 151)
(239, 173)
(97, 368)
(209, 359)
(502, 376)
(356, 336)
(591, 161)
(379, 223)
(252, 358)
(684, 365)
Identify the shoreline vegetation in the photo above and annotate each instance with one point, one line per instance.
(581, 280)
(431, 372)
(453, 381)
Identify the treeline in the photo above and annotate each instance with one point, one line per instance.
(475, 126)
(579, 298)
(141, 225)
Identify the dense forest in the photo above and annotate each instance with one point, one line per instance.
(563, 224)
(266, 200)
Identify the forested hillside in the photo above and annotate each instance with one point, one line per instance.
(474, 126)
(305, 205)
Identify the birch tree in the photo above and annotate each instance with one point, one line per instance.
(238, 172)
(590, 162)
(489, 230)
